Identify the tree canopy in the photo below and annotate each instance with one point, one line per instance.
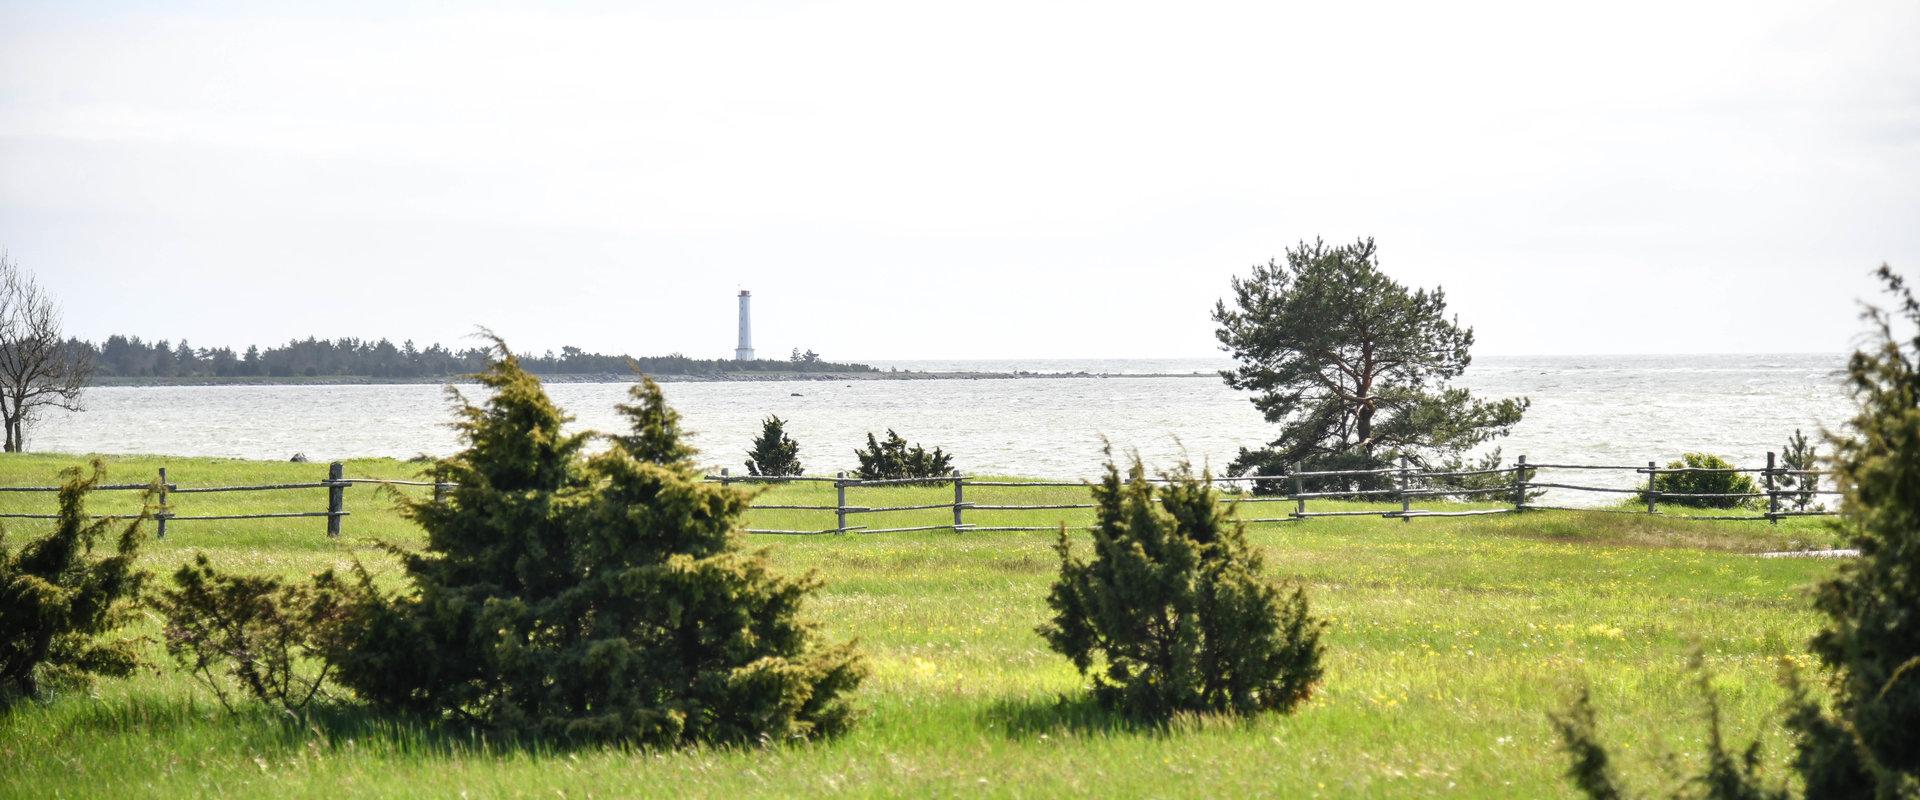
(1351, 364)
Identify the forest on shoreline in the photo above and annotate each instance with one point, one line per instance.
(128, 360)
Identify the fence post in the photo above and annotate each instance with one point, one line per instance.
(1520, 484)
(959, 500)
(1773, 496)
(1653, 471)
(723, 477)
(160, 518)
(439, 492)
(336, 498)
(840, 501)
(1406, 503)
(1299, 503)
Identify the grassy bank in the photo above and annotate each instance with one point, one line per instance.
(1450, 640)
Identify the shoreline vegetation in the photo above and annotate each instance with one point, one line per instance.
(619, 377)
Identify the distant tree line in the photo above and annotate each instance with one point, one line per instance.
(131, 357)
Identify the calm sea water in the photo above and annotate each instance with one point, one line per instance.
(1586, 409)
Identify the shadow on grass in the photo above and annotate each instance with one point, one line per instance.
(334, 724)
(1081, 715)
(158, 718)
(349, 722)
(1629, 527)
(147, 716)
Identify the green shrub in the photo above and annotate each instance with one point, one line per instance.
(1871, 641)
(1172, 613)
(892, 459)
(774, 453)
(1697, 482)
(603, 598)
(257, 633)
(58, 599)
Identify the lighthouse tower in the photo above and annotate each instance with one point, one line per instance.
(745, 351)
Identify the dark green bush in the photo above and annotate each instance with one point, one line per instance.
(1172, 613)
(892, 459)
(588, 599)
(1871, 642)
(58, 599)
(1668, 484)
(774, 453)
(260, 634)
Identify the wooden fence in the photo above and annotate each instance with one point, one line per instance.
(1512, 488)
(1408, 486)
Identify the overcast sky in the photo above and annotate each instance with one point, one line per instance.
(900, 180)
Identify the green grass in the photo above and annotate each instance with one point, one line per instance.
(1450, 640)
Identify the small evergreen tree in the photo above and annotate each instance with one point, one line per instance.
(892, 459)
(593, 599)
(1172, 613)
(1481, 487)
(1704, 475)
(1801, 462)
(58, 599)
(774, 453)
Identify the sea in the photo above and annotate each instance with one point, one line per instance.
(1052, 422)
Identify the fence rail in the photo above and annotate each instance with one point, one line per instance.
(1406, 486)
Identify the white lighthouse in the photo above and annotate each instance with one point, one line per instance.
(745, 351)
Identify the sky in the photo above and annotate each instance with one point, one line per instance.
(984, 179)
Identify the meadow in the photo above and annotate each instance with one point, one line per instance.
(1450, 640)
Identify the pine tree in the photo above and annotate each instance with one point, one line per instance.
(58, 599)
(603, 598)
(774, 453)
(1801, 460)
(1353, 366)
(1173, 612)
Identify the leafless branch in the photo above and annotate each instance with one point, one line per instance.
(38, 369)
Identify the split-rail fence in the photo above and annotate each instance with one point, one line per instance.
(1407, 486)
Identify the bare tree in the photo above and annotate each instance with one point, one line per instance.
(38, 368)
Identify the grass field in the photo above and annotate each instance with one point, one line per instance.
(1450, 640)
